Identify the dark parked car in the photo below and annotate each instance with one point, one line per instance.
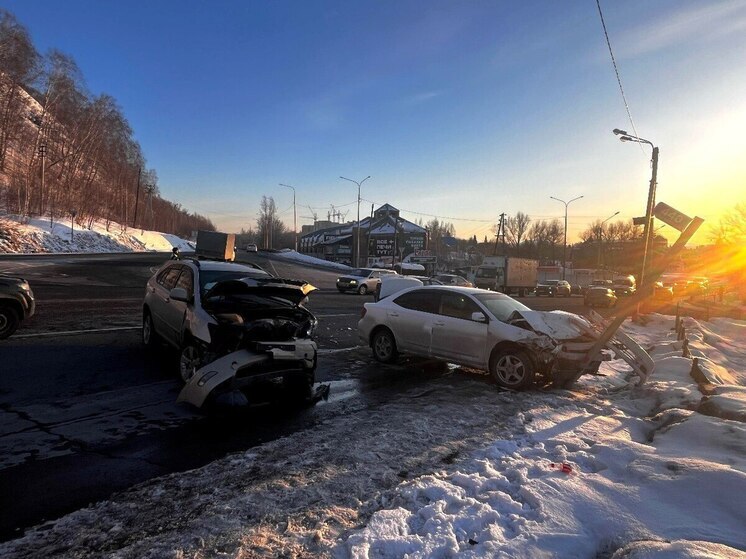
(600, 297)
(16, 304)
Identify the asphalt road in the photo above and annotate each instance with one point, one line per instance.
(85, 411)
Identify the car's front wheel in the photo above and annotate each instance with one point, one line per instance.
(362, 290)
(190, 360)
(149, 335)
(9, 321)
(512, 369)
(384, 346)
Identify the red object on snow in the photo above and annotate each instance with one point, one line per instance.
(564, 467)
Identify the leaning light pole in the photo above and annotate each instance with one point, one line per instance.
(647, 233)
(295, 221)
(357, 237)
(564, 249)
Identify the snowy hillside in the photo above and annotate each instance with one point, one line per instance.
(39, 236)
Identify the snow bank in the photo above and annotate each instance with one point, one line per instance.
(39, 236)
(312, 260)
(453, 467)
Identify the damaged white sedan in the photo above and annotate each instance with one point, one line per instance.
(493, 332)
(236, 327)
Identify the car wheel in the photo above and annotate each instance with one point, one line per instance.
(513, 369)
(190, 361)
(9, 321)
(149, 335)
(384, 346)
(362, 290)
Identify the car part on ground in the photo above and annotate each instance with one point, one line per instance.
(17, 304)
(211, 310)
(485, 330)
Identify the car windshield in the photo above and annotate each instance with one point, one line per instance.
(486, 272)
(360, 272)
(500, 305)
(208, 278)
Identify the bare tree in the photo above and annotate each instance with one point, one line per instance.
(516, 228)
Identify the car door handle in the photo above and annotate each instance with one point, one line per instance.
(394, 314)
(439, 323)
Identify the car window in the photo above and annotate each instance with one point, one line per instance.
(458, 305)
(186, 281)
(420, 300)
(168, 277)
(500, 305)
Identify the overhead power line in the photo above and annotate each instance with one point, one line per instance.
(616, 70)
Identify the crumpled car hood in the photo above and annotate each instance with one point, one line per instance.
(292, 290)
(558, 325)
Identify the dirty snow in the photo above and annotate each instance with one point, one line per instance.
(456, 468)
(39, 236)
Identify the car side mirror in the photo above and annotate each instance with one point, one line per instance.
(179, 294)
(478, 317)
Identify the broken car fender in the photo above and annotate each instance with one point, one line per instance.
(212, 375)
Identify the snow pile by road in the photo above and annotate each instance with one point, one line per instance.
(455, 467)
(312, 260)
(39, 236)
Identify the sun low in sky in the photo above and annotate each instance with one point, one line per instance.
(460, 110)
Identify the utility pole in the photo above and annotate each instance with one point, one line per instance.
(137, 197)
(295, 219)
(357, 237)
(500, 232)
(370, 228)
(648, 232)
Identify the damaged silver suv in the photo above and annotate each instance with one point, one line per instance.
(233, 324)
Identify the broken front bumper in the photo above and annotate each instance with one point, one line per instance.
(243, 367)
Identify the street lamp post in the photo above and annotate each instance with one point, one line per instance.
(648, 230)
(295, 222)
(564, 249)
(600, 232)
(357, 237)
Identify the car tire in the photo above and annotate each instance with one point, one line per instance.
(383, 345)
(362, 290)
(9, 321)
(513, 369)
(191, 360)
(149, 335)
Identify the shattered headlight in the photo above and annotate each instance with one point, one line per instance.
(310, 328)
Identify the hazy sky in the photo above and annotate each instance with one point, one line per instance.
(460, 109)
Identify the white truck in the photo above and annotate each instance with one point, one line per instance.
(507, 274)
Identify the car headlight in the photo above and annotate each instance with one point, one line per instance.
(25, 287)
(353, 281)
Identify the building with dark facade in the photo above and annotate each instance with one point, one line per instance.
(385, 239)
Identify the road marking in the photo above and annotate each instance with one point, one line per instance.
(73, 332)
(336, 315)
(339, 350)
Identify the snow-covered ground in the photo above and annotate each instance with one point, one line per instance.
(455, 467)
(39, 236)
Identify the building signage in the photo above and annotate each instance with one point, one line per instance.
(423, 259)
(671, 217)
(382, 247)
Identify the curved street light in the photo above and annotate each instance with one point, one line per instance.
(295, 222)
(564, 249)
(647, 234)
(357, 250)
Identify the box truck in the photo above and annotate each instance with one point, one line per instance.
(212, 245)
(507, 274)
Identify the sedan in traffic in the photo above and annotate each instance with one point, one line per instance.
(600, 297)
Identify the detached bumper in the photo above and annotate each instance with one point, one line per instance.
(243, 367)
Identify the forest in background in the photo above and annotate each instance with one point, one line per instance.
(66, 152)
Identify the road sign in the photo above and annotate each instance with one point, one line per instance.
(423, 259)
(638, 220)
(671, 217)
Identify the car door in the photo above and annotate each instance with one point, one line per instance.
(411, 319)
(174, 312)
(164, 283)
(455, 336)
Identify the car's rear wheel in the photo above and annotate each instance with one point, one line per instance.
(9, 321)
(190, 360)
(513, 368)
(362, 290)
(384, 346)
(149, 335)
